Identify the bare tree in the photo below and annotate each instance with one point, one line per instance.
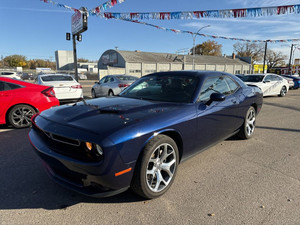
(275, 59)
(246, 49)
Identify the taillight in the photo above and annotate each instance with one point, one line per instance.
(49, 92)
(123, 85)
(77, 86)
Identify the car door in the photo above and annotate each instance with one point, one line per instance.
(106, 85)
(268, 85)
(99, 87)
(6, 95)
(216, 121)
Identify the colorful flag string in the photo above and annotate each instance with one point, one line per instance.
(227, 13)
(60, 5)
(206, 35)
(107, 5)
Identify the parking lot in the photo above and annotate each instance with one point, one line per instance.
(235, 182)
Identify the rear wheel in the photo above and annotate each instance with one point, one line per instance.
(248, 127)
(156, 168)
(20, 116)
(283, 91)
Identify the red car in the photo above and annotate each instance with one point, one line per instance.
(20, 100)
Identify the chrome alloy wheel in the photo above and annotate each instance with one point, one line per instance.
(161, 167)
(21, 117)
(250, 122)
(283, 91)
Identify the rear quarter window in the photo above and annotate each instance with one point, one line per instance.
(6, 86)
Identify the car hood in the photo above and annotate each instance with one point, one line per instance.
(109, 114)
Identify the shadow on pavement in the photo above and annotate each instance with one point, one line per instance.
(25, 184)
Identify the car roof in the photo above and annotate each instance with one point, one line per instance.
(194, 73)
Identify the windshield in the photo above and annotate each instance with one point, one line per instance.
(252, 78)
(166, 88)
(56, 78)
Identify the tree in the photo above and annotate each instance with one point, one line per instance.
(208, 48)
(82, 60)
(275, 59)
(246, 49)
(15, 61)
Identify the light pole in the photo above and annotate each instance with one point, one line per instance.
(194, 39)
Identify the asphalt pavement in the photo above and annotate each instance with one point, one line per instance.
(235, 182)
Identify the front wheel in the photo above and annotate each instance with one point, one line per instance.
(248, 127)
(283, 91)
(156, 167)
(20, 116)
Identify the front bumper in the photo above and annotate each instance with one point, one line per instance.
(95, 179)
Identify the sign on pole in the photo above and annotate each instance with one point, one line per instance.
(79, 22)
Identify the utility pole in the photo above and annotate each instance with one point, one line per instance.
(75, 57)
(290, 61)
(266, 47)
(194, 39)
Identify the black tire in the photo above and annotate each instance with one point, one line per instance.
(19, 116)
(110, 93)
(283, 91)
(248, 127)
(93, 92)
(153, 158)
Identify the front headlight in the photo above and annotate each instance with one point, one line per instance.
(93, 149)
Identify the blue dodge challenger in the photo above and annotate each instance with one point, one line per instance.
(137, 139)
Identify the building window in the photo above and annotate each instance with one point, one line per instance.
(150, 71)
(237, 72)
(135, 71)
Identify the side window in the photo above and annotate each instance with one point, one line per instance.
(213, 85)
(274, 78)
(268, 78)
(232, 85)
(5, 86)
(1, 86)
(104, 80)
(111, 79)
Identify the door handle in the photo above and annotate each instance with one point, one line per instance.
(234, 101)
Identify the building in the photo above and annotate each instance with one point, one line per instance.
(65, 61)
(139, 63)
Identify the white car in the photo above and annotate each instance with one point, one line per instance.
(66, 88)
(270, 84)
(10, 74)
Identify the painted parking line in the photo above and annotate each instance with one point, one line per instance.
(5, 130)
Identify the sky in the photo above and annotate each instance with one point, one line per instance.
(36, 29)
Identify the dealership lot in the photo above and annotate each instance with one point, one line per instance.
(235, 182)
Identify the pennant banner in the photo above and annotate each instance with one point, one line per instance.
(227, 13)
(206, 35)
(107, 5)
(60, 5)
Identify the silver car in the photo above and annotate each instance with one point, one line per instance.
(112, 85)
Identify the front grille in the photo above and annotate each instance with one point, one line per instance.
(66, 146)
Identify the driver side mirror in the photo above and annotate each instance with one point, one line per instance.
(216, 97)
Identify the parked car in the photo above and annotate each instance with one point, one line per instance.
(104, 146)
(20, 100)
(27, 76)
(296, 80)
(10, 74)
(270, 84)
(111, 85)
(66, 88)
